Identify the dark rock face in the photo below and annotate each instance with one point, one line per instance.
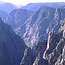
(55, 50)
(55, 54)
(40, 47)
(34, 57)
(28, 57)
(11, 46)
(51, 52)
(39, 50)
(40, 61)
(43, 21)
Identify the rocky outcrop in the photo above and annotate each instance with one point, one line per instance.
(17, 20)
(43, 31)
(28, 57)
(35, 57)
(55, 48)
(11, 46)
(40, 61)
(49, 52)
(39, 50)
(43, 21)
(34, 27)
(55, 52)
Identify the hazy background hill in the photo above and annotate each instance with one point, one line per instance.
(7, 7)
(3, 14)
(36, 6)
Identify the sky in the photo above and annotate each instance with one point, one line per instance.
(24, 2)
